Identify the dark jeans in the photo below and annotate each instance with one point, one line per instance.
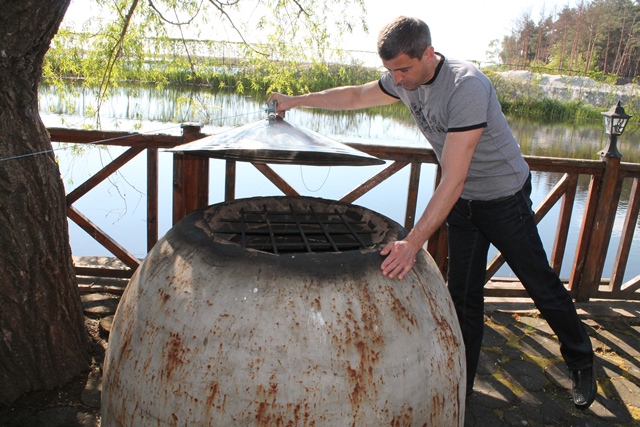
(509, 225)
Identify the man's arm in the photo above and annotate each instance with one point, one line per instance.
(339, 98)
(456, 158)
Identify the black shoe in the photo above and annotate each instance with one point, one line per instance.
(584, 387)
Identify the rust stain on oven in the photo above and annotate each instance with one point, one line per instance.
(214, 400)
(444, 330)
(269, 413)
(164, 296)
(399, 310)
(404, 418)
(174, 354)
(361, 338)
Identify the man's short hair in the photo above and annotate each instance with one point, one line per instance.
(410, 36)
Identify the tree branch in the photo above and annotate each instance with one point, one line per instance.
(184, 43)
(220, 6)
(302, 9)
(178, 23)
(115, 53)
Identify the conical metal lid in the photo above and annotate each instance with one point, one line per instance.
(274, 140)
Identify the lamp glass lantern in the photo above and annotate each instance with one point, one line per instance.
(615, 120)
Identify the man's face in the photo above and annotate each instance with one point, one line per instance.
(407, 72)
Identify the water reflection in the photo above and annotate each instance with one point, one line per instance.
(394, 125)
(571, 141)
(150, 104)
(147, 109)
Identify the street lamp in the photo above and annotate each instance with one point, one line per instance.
(615, 121)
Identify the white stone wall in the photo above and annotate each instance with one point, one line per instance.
(567, 88)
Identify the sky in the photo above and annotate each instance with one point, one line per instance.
(460, 29)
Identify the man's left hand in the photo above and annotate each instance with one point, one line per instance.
(400, 258)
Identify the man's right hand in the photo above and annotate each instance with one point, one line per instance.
(283, 102)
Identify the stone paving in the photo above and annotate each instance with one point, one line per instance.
(522, 380)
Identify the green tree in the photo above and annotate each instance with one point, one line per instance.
(597, 36)
(158, 41)
(43, 342)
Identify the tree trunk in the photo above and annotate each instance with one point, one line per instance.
(606, 53)
(43, 340)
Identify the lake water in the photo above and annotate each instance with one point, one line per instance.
(118, 205)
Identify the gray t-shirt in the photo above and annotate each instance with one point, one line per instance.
(459, 98)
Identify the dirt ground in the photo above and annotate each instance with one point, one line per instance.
(73, 405)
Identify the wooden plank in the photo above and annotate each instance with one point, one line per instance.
(178, 211)
(105, 289)
(117, 273)
(102, 174)
(540, 212)
(195, 174)
(512, 288)
(437, 244)
(371, 183)
(276, 179)
(412, 196)
(442, 253)
(494, 265)
(152, 197)
(554, 164)
(190, 177)
(195, 182)
(397, 153)
(608, 200)
(124, 139)
(101, 237)
(585, 233)
(432, 242)
(631, 286)
(536, 163)
(628, 230)
(627, 294)
(550, 200)
(230, 180)
(564, 222)
(505, 293)
(631, 170)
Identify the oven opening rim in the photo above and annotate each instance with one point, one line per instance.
(285, 225)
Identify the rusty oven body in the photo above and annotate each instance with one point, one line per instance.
(274, 312)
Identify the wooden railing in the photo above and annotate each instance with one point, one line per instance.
(190, 191)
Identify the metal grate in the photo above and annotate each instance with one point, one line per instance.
(297, 231)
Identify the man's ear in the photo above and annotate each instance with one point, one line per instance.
(429, 52)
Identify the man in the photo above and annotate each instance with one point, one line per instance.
(483, 194)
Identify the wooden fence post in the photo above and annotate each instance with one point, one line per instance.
(152, 197)
(190, 177)
(598, 243)
(437, 245)
(412, 197)
(230, 181)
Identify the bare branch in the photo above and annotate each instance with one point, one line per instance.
(220, 6)
(178, 23)
(186, 48)
(115, 53)
(302, 9)
(229, 3)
